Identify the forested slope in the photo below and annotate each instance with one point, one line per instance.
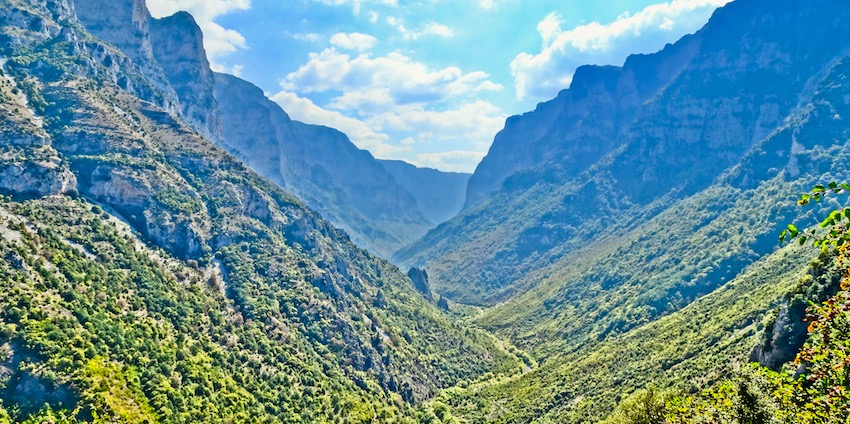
(150, 276)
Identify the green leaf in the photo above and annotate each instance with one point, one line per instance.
(783, 235)
(818, 189)
(793, 230)
(833, 185)
(803, 240)
(845, 186)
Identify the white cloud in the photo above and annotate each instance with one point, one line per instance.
(451, 161)
(218, 41)
(396, 107)
(235, 70)
(487, 4)
(428, 29)
(309, 37)
(401, 134)
(357, 5)
(473, 124)
(353, 41)
(543, 74)
(304, 110)
(374, 17)
(375, 84)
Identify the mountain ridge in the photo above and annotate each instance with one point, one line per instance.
(157, 278)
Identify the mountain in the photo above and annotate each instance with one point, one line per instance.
(320, 165)
(148, 275)
(624, 144)
(685, 298)
(658, 261)
(440, 195)
(623, 234)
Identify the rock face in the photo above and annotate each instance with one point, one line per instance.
(126, 24)
(29, 165)
(569, 134)
(178, 46)
(321, 166)
(420, 282)
(318, 164)
(623, 144)
(36, 177)
(440, 195)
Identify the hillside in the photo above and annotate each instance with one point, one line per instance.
(658, 262)
(320, 165)
(731, 85)
(148, 275)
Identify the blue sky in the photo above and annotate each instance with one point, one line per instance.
(427, 81)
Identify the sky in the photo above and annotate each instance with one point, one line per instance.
(430, 82)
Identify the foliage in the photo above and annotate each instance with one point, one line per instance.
(195, 291)
(833, 231)
(645, 406)
(815, 390)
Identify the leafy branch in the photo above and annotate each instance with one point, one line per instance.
(836, 224)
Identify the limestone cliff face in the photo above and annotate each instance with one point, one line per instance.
(624, 144)
(36, 177)
(178, 46)
(584, 123)
(29, 165)
(713, 93)
(321, 166)
(126, 24)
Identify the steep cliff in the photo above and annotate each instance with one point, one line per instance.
(320, 165)
(572, 132)
(715, 94)
(126, 25)
(178, 46)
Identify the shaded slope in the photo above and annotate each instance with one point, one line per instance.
(320, 165)
(440, 195)
(682, 298)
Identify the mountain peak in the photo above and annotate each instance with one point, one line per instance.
(178, 46)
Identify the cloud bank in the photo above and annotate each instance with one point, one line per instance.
(395, 106)
(543, 74)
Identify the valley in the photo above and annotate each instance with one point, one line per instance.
(175, 247)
